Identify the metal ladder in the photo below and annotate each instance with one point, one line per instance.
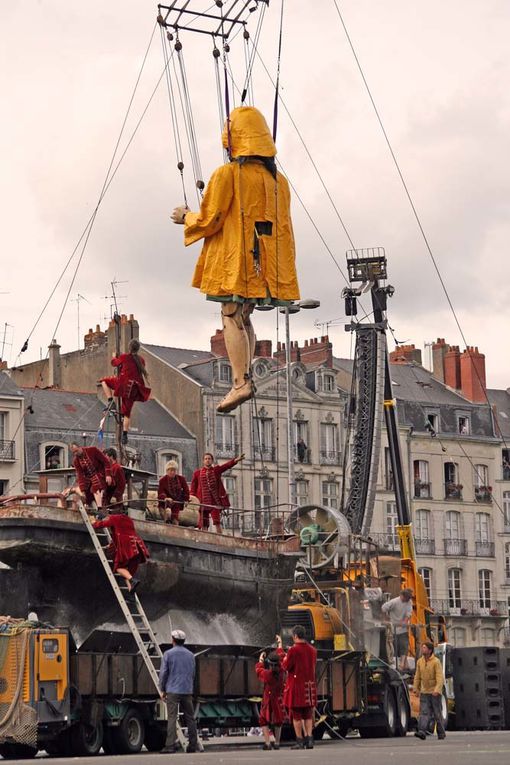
(135, 616)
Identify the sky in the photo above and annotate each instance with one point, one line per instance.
(439, 75)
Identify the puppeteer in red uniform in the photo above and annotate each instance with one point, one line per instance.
(208, 487)
(129, 385)
(93, 472)
(129, 549)
(173, 492)
(300, 689)
(271, 709)
(115, 492)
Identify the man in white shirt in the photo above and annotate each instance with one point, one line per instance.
(399, 611)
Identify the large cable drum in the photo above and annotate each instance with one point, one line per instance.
(323, 533)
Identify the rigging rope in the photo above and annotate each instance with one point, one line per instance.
(173, 114)
(277, 85)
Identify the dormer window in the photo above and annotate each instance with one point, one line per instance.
(225, 373)
(328, 383)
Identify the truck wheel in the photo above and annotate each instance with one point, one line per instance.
(86, 740)
(155, 737)
(403, 713)
(129, 735)
(17, 751)
(389, 726)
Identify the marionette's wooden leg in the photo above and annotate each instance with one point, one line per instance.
(239, 339)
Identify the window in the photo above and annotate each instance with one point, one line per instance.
(3, 426)
(302, 492)
(421, 479)
(388, 472)
(484, 588)
(263, 502)
(422, 524)
(234, 516)
(457, 637)
(481, 475)
(482, 527)
(487, 636)
(432, 422)
(453, 490)
(506, 510)
(426, 575)
(224, 436)
(225, 372)
(328, 382)
(300, 434)
(263, 438)
(330, 494)
(164, 457)
(453, 524)
(329, 443)
(53, 456)
(4, 488)
(505, 458)
(391, 524)
(464, 426)
(507, 562)
(454, 587)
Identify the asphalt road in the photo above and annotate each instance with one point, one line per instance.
(488, 748)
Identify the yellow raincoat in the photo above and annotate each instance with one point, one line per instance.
(236, 198)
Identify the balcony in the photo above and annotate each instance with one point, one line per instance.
(455, 547)
(7, 451)
(422, 490)
(484, 549)
(483, 493)
(305, 458)
(328, 457)
(265, 453)
(478, 607)
(226, 450)
(388, 542)
(425, 546)
(453, 490)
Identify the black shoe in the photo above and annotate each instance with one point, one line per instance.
(168, 750)
(134, 584)
(191, 749)
(309, 742)
(266, 747)
(124, 437)
(441, 736)
(299, 744)
(420, 734)
(274, 745)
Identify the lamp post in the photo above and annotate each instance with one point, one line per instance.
(306, 304)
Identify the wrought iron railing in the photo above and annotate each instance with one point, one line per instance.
(328, 457)
(455, 547)
(7, 451)
(425, 546)
(453, 491)
(386, 541)
(225, 449)
(484, 549)
(422, 490)
(483, 493)
(455, 606)
(266, 453)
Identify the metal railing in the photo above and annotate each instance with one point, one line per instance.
(305, 458)
(422, 490)
(453, 491)
(485, 549)
(386, 541)
(226, 450)
(425, 546)
(7, 451)
(482, 494)
(328, 457)
(266, 453)
(470, 607)
(455, 547)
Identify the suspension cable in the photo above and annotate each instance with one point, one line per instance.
(277, 85)
(173, 114)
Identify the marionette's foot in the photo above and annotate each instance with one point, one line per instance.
(124, 437)
(110, 406)
(236, 396)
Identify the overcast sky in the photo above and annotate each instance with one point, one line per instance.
(439, 73)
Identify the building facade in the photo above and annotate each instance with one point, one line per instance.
(11, 436)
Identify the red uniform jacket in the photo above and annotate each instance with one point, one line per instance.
(271, 709)
(300, 688)
(175, 488)
(207, 485)
(91, 469)
(131, 384)
(119, 484)
(129, 549)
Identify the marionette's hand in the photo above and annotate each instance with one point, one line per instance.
(240, 458)
(109, 480)
(262, 657)
(278, 641)
(179, 214)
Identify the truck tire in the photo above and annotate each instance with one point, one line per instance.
(389, 725)
(86, 740)
(155, 737)
(128, 737)
(17, 751)
(403, 713)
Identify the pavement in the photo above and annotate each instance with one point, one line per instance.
(459, 748)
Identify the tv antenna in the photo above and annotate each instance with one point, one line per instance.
(325, 325)
(114, 306)
(4, 343)
(77, 300)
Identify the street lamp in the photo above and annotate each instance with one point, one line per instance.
(306, 304)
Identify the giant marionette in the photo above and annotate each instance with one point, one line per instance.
(248, 255)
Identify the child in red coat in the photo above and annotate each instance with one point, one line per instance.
(270, 671)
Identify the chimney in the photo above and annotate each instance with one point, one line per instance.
(3, 365)
(54, 368)
(127, 328)
(439, 350)
(405, 354)
(472, 375)
(264, 348)
(452, 367)
(218, 346)
(94, 338)
(315, 351)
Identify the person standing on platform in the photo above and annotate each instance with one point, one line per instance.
(428, 685)
(114, 493)
(93, 473)
(173, 492)
(176, 678)
(300, 695)
(129, 385)
(399, 611)
(208, 487)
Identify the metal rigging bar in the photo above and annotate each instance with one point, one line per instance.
(219, 23)
(135, 616)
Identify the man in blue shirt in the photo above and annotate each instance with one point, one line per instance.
(176, 679)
